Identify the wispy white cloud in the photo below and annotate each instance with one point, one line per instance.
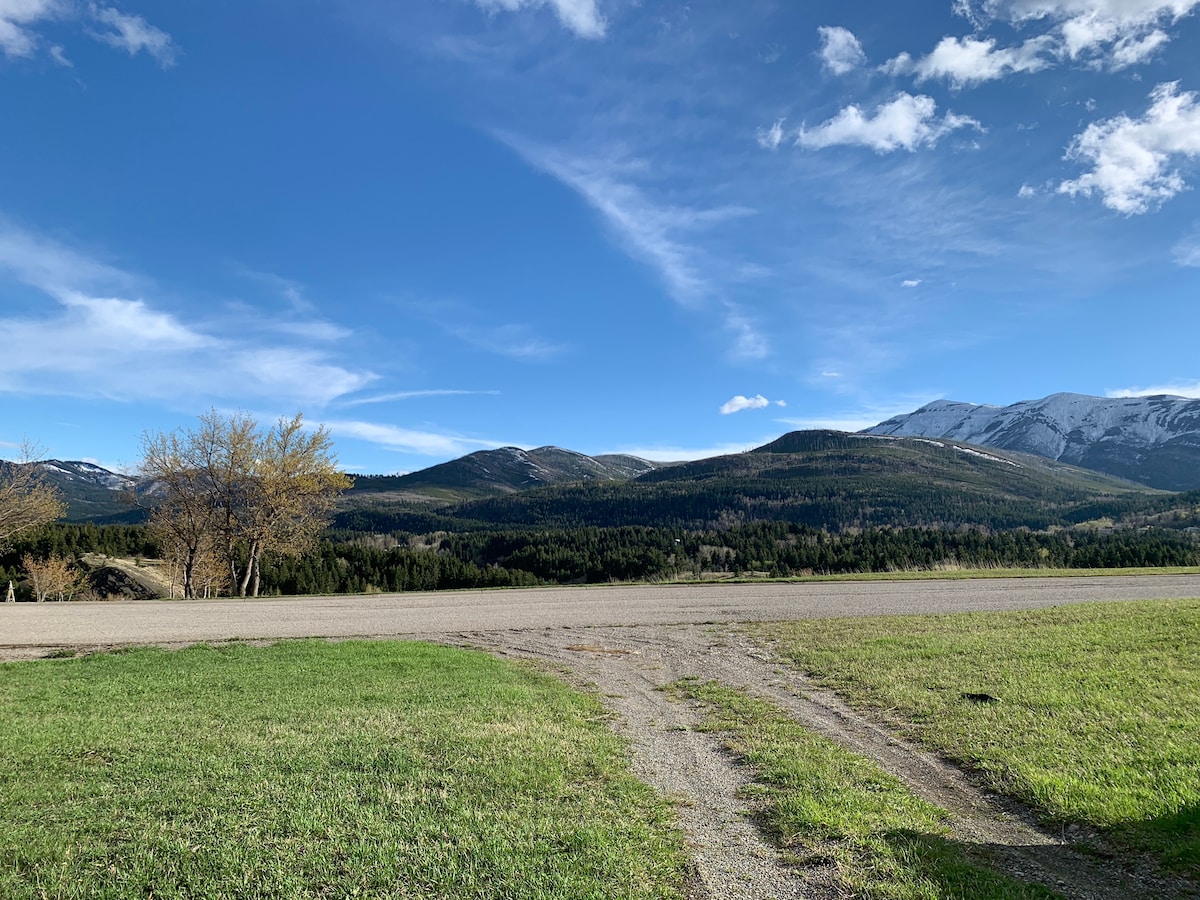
(425, 443)
(771, 138)
(968, 61)
(17, 18)
(514, 341)
(1187, 250)
(1177, 388)
(19, 21)
(133, 34)
(857, 419)
(848, 423)
(1133, 160)
(840, 51)
(910, 282)
(582, 17)
(304, 319)
(464, 322)
(655, 233)
(413, 395)
(666, 453)
(749, 344)
(1114, 33)
(905, 123)
(89, 341)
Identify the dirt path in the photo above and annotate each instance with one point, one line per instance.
(628, 665)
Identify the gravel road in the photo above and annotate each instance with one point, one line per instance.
(27, 627)
(626, 643)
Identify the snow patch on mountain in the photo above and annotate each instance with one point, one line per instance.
(1151, 439)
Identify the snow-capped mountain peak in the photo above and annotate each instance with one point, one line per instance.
(1153, 440)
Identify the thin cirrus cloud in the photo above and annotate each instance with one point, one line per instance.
(654, 233)
(424, 443)
(1133, 161)
(20, 19)
(414, 395)
(581, 17)
(1187, 251)
(840, 51)
(71, 341)
(905, 123)
(1177, 389)
(665, 453)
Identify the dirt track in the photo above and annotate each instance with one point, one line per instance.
(627, 643)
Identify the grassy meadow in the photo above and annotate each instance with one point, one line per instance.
(314, 769)
(1096, 716)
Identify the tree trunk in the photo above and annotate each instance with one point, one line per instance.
(251, 564)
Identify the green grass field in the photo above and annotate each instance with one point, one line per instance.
(311, 769)
(1098, 712)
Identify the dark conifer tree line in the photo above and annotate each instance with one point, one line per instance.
(354, 562)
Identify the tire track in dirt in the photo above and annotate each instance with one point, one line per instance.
(629, 665)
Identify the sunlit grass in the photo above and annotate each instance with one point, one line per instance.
(827, 806)
(310, 769)
(1097, 718)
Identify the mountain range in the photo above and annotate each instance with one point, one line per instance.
(1030, 452)
(1151, 440)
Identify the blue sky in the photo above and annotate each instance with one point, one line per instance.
(438, 226)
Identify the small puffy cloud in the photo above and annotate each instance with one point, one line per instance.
(910, 282)
(771, 138)
(133, 34)
(968, 61)
(840, 50)
(1027, 191)
(907, 123)
(1177, 389)
(739, 403)
(582, 17)
(1133, 160)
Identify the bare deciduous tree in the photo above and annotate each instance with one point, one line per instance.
(231, 491)
(52, 578)
(27, 500)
